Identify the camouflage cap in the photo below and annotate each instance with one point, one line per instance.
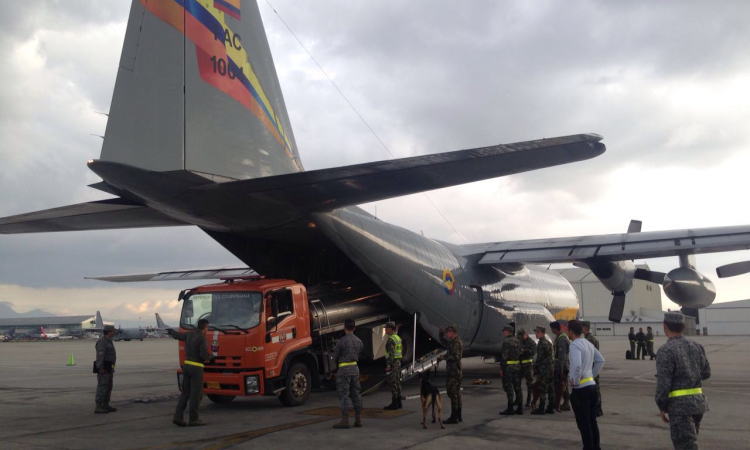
(109, 328)
(520, 332)
(540, 329)
(391, 325)
(452, 328)
(586, 323)
(508, 328)
(554, 325)
(674, 317)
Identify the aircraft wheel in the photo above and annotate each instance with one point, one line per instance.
(297, 386)
(220, 398)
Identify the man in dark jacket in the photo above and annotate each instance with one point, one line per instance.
(196, 354)
(640, 339)
(631, 338)
(106, 357)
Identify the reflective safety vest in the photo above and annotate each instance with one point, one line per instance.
(397, 348)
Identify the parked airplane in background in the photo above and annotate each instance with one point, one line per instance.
(9, 336)
(45, 335)
(198, 135)
(128, 334)
(161, 327)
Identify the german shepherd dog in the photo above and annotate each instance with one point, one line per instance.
(430, 395)
(535, 394)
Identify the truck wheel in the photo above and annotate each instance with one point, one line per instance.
(220, 398)
(297, 386)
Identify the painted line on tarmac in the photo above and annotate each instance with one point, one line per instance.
(224, 442)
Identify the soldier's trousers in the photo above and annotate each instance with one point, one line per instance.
(561, 384)
(546, 385)
(650, 348)
(192, 392)
(632, 349)
(684, 431)
(104, 387)
(641, 351)
(453, 388)
(598, 394)
(394, 379)
(348, 388)
(512, 385)
(526, 373)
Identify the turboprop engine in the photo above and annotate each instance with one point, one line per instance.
(689, 288)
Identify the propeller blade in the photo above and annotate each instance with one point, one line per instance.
(635, 226)
(617, 308)
(734, 269)
(649, 275)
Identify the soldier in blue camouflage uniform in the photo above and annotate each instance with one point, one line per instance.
(393, 355)
(681, 367)
(595, 342)
(449, 338)
(544, 371)
(510, 370)
(528, 351)
(347, 352)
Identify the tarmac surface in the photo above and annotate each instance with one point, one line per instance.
(45, 404)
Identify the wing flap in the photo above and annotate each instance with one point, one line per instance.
(198, 274)
(99, 215)
(615, 247)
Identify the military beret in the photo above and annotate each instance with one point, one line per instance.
(586, 323)
(508, 328)
(391, 325)
(540, 329)
(554, 325)
(452, 328)
(674, 317)
(521, 332)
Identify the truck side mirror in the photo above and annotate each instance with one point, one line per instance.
(182, 295)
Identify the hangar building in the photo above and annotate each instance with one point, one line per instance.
(65, 325)
(642, 304)
(725, 319)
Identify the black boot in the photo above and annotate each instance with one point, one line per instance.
(399, 402)
(519, 408)
(550, 409)
(528, 397)
(458, 413)
(454, 416)
(540, 410)
(393, 405)
(508, 411)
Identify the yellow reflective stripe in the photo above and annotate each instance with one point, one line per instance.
(344, 364)
(586, 380)
(511, 363)
(683, 392)
(526, 361)
(193, 363)
(651, 340)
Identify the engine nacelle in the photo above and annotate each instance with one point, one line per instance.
(616, 276)
(689, 288)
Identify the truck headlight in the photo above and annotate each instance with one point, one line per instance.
(179, 381)
(252, 384)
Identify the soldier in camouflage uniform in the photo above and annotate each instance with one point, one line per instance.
(544, 370)
(510, 370)
(631, 338)
(106, 357)
(590, 337)
(347, 352)
(650, 343)
(562, 366)
(528, 351)
(449, 338)
(681, 367)
(393, 355)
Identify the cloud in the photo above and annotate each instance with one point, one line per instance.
(666, 87)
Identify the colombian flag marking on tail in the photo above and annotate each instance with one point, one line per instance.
(231, 7)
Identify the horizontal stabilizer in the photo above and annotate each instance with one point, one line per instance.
(198, 274)
(328, 189)
(100, 215)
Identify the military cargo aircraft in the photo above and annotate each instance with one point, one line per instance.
(198, 135)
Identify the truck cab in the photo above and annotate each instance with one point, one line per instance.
(259, 337)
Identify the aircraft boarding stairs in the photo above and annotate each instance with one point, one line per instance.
(423, 364)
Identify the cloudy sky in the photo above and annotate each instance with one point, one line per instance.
(667, 84)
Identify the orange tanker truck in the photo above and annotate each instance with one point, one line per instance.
(276, 337)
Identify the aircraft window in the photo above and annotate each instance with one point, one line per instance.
(224, 310)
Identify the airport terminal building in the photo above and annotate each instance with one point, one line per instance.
(642, 304)
(65, 325)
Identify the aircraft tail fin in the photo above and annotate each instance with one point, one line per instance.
(99, 322)
(197, 90)
(160, 323)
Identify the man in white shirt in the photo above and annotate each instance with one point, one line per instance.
(585, 363)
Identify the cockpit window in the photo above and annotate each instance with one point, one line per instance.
(224, 310)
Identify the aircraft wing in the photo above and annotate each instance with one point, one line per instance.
(198, 274)
(99, 215)
(614, 247)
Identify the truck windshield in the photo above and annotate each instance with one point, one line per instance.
(224, 310)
